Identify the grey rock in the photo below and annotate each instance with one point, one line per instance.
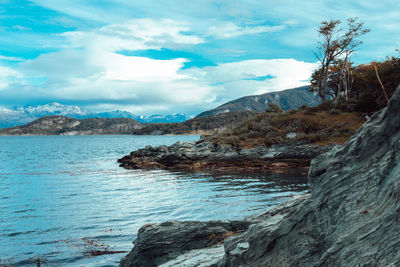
(206, 155)
(159, 243)
(206, 257)
(351, 217)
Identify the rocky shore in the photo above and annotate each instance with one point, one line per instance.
(204, 155)
(349, 219)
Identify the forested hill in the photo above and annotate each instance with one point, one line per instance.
(287, 99)
(61, 125)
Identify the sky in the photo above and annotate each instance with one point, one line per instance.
(167, 56)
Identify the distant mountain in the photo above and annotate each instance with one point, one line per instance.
(11, 118)
(60, 125)
(22, 115)
(55, 108)
(198, 125)
(117, 114)
(225, 115)
(176, 117)
(287, 99)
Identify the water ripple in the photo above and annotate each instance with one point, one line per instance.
(63, 196)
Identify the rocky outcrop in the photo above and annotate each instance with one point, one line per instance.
(189, 243)
(204, 155)
(158, 243)
(351, 217)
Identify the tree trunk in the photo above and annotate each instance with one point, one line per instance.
(325, 84)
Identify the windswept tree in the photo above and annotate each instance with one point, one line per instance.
(334, 45)
(339, 81)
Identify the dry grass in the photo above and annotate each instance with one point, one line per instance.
(318, 125)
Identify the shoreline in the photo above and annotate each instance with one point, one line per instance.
(350, 217)
(207, 156)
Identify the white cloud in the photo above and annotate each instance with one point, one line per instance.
(136, 34)
(20, 28)
(240, 78)
(230, 30)
(7, 76)
(90, 69)
(144, 85)
(11, 58)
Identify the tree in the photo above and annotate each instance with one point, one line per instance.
(334, 45)
(377, 80)
(339, 80)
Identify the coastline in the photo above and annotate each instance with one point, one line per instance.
(205, 155)
(349, 218)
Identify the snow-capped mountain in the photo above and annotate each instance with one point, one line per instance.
(55, 108)
(11, 118)
(118, 114)
(176, 117)
(22, 115)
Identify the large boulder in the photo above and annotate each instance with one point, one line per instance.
(159, 243)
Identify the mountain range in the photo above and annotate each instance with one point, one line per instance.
(22, 115)
(76, 120)
(286, 99)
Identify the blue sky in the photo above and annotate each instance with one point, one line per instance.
(170, 56)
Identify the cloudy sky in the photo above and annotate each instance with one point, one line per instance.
(167, 56)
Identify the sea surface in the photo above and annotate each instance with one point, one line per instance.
(64, 199)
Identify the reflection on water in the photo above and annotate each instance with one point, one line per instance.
(62, 198)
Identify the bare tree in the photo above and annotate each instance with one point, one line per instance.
(336, 44)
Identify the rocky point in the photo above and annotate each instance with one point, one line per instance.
(350, 218)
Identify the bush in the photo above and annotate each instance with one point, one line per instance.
(334, 111)
(273, 108)
(367, 104)
(309, 113)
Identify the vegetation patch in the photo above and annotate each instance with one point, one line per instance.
(322, 125)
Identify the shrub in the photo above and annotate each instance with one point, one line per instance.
(309, 113)
(273, 108)
(334, 111)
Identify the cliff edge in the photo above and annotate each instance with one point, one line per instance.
(349, 219)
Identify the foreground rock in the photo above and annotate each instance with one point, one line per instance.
(194, 243)
(351, 218)
(204, 155)
(159, 243)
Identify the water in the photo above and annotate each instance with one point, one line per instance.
(64, 197)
